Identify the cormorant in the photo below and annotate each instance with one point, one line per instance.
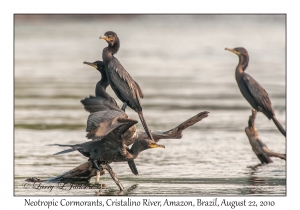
(103, 101)
(127, 90)
(253, 92)
(109, 149)
(104, 111)
(259, 148)
(87, 170)
(105, 115)
(112, 148)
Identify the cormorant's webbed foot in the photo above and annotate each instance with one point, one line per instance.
(95, 165)
(124, 106)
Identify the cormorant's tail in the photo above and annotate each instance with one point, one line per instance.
(132, 166)
(145, 125)
(64, 151)
(278, 125)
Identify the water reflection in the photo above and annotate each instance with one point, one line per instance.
(128, 191)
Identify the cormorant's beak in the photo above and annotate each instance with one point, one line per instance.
(232, 50)
(91, 64)
(104, 37)
(154, 145)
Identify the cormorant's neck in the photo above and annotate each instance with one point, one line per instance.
(115, 48)
(243, 62)
(109, 51)
(242, 65)
(100, 89)
(136, 149)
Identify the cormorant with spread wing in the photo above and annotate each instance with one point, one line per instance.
(105, 115)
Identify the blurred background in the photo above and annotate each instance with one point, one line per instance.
(180, 63)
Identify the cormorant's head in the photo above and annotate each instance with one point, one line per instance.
(144, 144)
(154, 145)
(243, 56)
(111, 38)
(240, 51)
(99, 65)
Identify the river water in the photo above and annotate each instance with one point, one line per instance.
(181, 65)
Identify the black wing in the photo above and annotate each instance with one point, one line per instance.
(259, 94)
(79, 147)
(99, 124)
(123, 85)
(141, 94)
(95, 104)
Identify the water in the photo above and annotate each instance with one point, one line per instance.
(181, 65)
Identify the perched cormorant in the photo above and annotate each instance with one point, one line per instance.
(259, 148)
(105, 115)
(253, 92)
(127, 90)
(104, 111)
(103, 101)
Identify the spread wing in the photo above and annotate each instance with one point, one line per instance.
(124, 86)
(127, 123)
(82, 148)
(259, 94)
(115, 140)
(99, 124)
(95, 104)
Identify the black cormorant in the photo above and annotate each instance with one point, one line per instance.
(104, 111)
(103, 101)
(261, 150)
(253, 92)
(105, 115)
(127, 90)
(109, 149)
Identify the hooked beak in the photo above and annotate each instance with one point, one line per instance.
(91, 64)
(104, 37)
(154, 145)
(232, 50)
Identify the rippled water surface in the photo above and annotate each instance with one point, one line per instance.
(181, 65)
